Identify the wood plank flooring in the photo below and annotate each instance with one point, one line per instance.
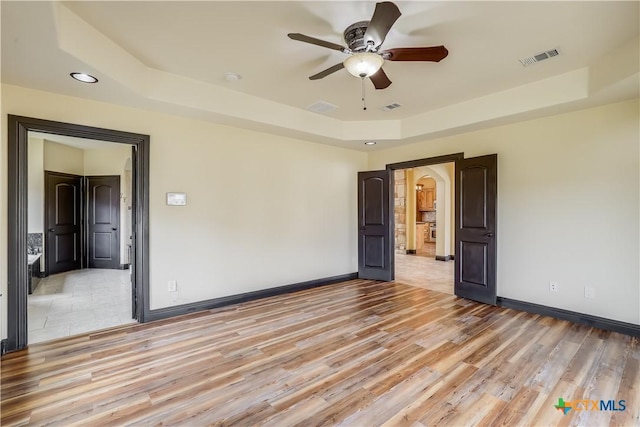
(358, 353)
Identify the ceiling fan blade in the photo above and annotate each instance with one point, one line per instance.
(380, 79)
(434, 54)
(383, 18)
(318, 42)
(328, 71)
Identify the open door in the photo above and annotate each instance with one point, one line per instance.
(375, 248)
(475, 255)
(63, 217)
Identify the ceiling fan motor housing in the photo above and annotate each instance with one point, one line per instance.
(354, 36)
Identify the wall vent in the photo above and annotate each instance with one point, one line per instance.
(391, 106)
(321, 107)
(539, 57)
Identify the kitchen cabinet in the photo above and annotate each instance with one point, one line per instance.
(425, 199)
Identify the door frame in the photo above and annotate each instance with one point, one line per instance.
(18, 129)
(449, 158)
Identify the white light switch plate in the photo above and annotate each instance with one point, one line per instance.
(177, 199)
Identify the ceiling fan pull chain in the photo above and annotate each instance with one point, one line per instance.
(364, 98)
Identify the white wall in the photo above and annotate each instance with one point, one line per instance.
(568, 206)
(262, 210)
(35, 178)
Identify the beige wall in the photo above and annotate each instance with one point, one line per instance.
(110, 160)
(451, 170)
(35, 174)
(568, 206)
(262, 210)
(63, 158)
(258, 215)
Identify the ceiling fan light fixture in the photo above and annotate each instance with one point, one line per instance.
(364, 64)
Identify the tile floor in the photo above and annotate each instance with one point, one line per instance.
(425, 272)
(79, 301)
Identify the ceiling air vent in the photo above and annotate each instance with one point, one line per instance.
(391, 106)
(321, 107)
(539, 57)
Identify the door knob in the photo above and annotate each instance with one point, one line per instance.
(488, 235)
(52, 230)
(114, 228)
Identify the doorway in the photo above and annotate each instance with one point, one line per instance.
(86, 283)
(424, 226)
(18, 271)
(475, 203)
(85, 286)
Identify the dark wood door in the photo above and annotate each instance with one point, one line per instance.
(375, 245)
(103, 222)
(475, 257)
(63, 207)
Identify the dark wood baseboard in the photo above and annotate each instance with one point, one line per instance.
(572, 316)
(444, 258)
(178, 310)
(411, 251)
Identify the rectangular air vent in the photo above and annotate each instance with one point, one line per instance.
(539, 57)
(391, 106)
(321, 107)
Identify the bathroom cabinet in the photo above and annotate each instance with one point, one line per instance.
(34, 273)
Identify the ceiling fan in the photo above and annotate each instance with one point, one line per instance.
(364, 40)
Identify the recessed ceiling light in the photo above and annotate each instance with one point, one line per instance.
(370, 143)
(84, 78)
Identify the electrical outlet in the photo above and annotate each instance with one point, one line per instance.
(173, 286)
(553, 286)
(589, 292)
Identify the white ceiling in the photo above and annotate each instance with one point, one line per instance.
(172, 57)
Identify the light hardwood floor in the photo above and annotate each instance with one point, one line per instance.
(358, 353)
